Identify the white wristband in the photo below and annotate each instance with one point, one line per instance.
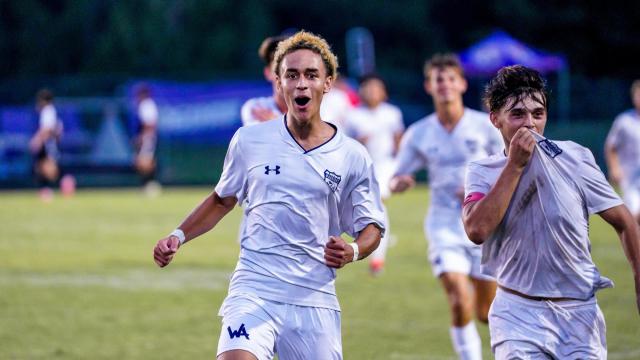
(179, 234)
(356, 251)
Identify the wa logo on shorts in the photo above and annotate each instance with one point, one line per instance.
(237, 333)
(550, 148)
(332, 179)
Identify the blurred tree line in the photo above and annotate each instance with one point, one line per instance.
(213, 39)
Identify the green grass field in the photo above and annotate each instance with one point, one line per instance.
(78, 281)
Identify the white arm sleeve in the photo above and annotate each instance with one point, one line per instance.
(48, 118)
(364, 203)
(598, 193)
(148, 112)
(409, 160)
(234, 173)
(476, 180)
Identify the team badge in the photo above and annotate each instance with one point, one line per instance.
(332, 179)
(550, 148)
(472, 145)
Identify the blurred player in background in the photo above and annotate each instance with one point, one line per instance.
(378, 125)
(44, 144)
(530, 206)
(260, 109)
(622, 150)
(305, 184)
(146, 141)
(444, 142)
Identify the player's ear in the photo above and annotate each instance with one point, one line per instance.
(465, 85)
(278, 83)
(493, 116)
(328, 83)
(427, 86)
(268, 73)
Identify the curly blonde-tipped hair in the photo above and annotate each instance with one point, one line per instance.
(306, 40)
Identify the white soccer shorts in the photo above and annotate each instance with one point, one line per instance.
(449, 248)
(264, 328)
(528, 329)
(631, 196)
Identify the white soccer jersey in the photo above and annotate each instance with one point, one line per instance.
(379, 126)
(541, 247)
(624, 137)
(294, 200)
(148, 112)
(48, 117)
(445, 154)
(267, 102)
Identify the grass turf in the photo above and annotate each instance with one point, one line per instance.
(77, 281)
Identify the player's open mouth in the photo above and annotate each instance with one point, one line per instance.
(302, 100)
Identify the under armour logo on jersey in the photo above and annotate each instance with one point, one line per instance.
(267, 170)
(237, 333)
(550, 148)
(332, 179)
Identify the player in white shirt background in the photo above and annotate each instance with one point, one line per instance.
(622, 150)
(530, 207)
(444, 142)
(305, 183)
(147, 139)
(261, 109)
(44, 144)
(378, 125)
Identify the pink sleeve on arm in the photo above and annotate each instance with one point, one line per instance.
(472, 197)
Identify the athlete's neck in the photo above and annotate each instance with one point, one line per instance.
(449, 114)
(310, 134)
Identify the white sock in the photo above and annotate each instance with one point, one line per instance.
(466, 342)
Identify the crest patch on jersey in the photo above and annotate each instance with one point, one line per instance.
(550, 148)
(332, 179)
(472, 145)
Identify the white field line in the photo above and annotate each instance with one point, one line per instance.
(139, 279)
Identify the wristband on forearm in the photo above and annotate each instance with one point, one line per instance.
(356, 251)
(179, 234)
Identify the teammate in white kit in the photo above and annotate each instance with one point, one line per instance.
(305, 184)
(378, 125)
(261, 109)
(622, 151)
(444, 142)
(147, 140)
(44, 144)
(530, 207)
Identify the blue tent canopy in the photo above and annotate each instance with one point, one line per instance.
(500, 49)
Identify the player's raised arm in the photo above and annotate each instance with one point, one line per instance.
(202, 219)
(481, 215)
(620, 218)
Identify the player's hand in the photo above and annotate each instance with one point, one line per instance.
(401, 183)
(263, 114)
(165, 250)
(521, 147)
(337, 253)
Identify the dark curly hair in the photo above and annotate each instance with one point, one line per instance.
(517, 82)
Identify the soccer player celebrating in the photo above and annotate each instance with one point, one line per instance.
(622, 151)
(530, 207)
(378, 126)
(444, 142)
(305, 183)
